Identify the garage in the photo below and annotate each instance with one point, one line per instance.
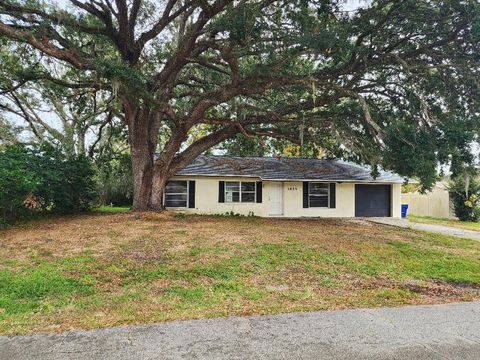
(372, 200)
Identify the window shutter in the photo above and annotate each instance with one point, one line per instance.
(259, 191)
(221, 191)
(305, 194)
(333, 195)
(191, 194)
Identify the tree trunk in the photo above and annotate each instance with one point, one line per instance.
(81, 142)
(150, 175)
(142, 170)
(163, 166)
(142, 146)
(162, 171)
(158, 186)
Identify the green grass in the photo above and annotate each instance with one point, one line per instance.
(98, 271)
(112, 209)
(467, 225)
(33, 288)
(402, 261)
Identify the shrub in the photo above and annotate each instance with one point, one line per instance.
(466, 204)
(40, 179)
(17, 183)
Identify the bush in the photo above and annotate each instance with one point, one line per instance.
(17, 183)
(40, 179)
(466, 206)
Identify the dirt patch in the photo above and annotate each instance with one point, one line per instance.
(280, 288)
(441, 289)
(360, 222)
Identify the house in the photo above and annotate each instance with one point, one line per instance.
(283, 187)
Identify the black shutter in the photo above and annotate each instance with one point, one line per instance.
(333, 195)
(259, 191)
(221, 191)
(305, 194)
(191, 194)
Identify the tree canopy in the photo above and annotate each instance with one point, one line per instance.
(393, 83)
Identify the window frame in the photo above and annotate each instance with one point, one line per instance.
(187, 193)
(241, 192)
(319, 195)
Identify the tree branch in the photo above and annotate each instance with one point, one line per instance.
(72, 57)
(199, 146)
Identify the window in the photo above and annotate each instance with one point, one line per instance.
(248, 192)
(318, 194)
(239, 191)
(176, 194)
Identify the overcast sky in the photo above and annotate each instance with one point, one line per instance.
(355, 4)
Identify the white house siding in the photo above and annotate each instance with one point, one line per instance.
(396, 200)
(206, 199)
(345, 202)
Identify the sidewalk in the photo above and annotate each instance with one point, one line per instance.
(416, 332)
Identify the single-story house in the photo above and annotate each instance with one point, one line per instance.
(283, 187)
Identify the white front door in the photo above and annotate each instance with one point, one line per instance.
(276, 198)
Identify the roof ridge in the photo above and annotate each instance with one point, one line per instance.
(269, 157)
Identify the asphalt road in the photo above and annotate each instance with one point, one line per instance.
(417, 332)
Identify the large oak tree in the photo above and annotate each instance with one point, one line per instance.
(394, 83)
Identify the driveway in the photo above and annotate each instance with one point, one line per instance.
(417, 332)
(440, 229)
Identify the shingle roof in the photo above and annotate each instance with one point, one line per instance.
(272, 168)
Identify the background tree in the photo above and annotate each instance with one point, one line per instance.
(376, 85)
(242, 145)
(113, 165)
(465, 194)
(50, 112)
(65, 120)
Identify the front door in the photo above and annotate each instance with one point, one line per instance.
(276, 198)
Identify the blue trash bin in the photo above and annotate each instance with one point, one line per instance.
(404, 210)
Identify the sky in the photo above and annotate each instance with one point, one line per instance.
(351, 5)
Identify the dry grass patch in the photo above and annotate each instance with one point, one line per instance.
(99, 270)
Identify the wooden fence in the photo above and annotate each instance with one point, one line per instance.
(435, 204)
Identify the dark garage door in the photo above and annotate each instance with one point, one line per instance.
(372, 200)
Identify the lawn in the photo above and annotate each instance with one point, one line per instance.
(111, 209)
(105, 269)
(467, 225)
